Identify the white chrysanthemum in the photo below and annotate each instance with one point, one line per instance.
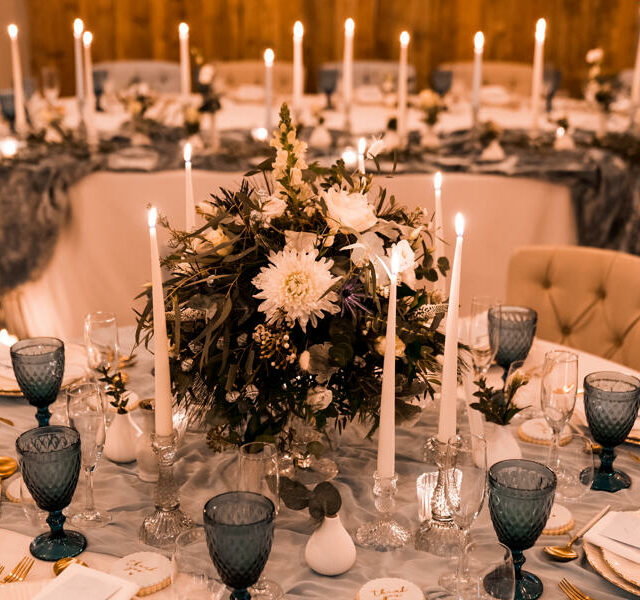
(294, 288)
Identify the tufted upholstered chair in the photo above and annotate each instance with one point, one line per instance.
(513, 76)
(162, 76)
(236, 73)
(586, 298)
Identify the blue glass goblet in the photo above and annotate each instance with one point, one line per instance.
(239, 532)
(520, 499)
(441, 81)
(611, 403)
(50, 465)
(514, 327)
(38, 364)
(327, 82)
(7, 105)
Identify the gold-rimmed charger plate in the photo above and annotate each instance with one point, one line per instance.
(596, 560)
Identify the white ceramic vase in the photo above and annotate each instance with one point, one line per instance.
(145, 456)
(330, 549)
(122, 435)
(501, 445)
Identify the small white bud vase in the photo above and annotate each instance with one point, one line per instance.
(145, 456)
(501, 445)
(122, 435)
(330, 549)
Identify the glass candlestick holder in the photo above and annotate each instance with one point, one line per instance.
(384, 533)
(167, 521)
(439, 535)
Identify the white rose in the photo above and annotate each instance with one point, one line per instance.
(274, 207)
(404, 254)
(349, 210)
(368, 247)
(381, 345)
(302, 241)
(319, 397)
(216, 237)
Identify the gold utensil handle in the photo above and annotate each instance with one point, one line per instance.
(593, 521)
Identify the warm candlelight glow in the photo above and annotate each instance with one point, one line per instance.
(8, 147)
(78, 28)
(298, 30)
(152, 217)
(541, 27)
(560, 132)
(187, 152)
(395, 260)
(13, 31)
(183, 30)
(259, 134)
(349, 157)
(459, 224)
(269, 57)
(349, 26)
(362, 145)
(437, 181)
(478, 41)
(6, 339)
(404, 39)
(87, 39)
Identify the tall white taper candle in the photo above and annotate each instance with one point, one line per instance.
(347, 71)
(185, 63)
(163, 410)
(478, 48)
(18, 85)
(188, 179)
(269, 57)
(449, 390)
(538, 74)
(362, 146)
(402, 87)
(298, 69)
(90, 98)
(438, 233)
(78, 28)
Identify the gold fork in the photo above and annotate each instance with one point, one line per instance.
(572, 591)
(20, 571)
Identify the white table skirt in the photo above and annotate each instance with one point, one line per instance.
(101, 261)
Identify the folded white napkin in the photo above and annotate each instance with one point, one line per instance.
(618, 532)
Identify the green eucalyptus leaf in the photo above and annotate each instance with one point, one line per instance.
(294, 495)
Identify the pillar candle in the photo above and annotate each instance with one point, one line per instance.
(347, 71)
(402, 87)
(387, 434)
(163, 414)
(269, 57)
(635, 85)
(185, 63)
(298, 68)
(478, 45)
(189, 201)
(18, 89)
(362, 146)
(536, 81)
(90, 98)
(449, 390)
(438, 233)
(78, 28)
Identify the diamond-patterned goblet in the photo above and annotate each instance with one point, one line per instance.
(50, 465)
(239, 531)
(520, 499)
(611, 403)
(514, 327)
(38, 364)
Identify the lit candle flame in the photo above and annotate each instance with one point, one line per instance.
(87, 39)
(298, 30)
(560, 132)
(8, 147)
(362, 145)
(269, 57)
(152, 217)
(437, 181)
(404, 39)
(395, 260)
(13, 31)
(349, 157)
(349, 26)
(459, 224)
(187, 152)
(541, 27)
(183, 30)
(478, 41)
(78, 28)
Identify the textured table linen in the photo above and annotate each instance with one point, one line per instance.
(202, 474)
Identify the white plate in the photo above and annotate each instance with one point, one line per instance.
(596, 560)
(627, 569)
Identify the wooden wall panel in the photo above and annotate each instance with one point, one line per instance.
(441, 30)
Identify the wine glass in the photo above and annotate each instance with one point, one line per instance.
(488, 568)
(101, 340)
(575, 468)
(194, 577)
(441, 81)
(611, 404)
(86, 416)
(50, 464)
(50, 84)
(38, 364)
(483, 346)
(558, 395)
(465, 491)
(239, 531)
(515, 328)
(520, 499)
(259, 471)
(552, 79)
(327, 82)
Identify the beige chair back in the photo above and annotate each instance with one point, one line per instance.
(586, 298)
(236, 73)
(513, 76)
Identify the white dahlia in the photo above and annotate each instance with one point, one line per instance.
(294, 288)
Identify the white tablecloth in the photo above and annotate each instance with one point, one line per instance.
(101, 261)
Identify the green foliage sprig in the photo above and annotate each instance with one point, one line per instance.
(116, 388)
(497, 405)
(323, 501)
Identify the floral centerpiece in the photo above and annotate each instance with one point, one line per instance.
(431, 105)
(277, 304)
(601, 88)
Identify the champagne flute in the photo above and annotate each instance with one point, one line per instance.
(101, 340)
(482, 345)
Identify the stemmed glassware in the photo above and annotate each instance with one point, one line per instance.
(86, 415)
(101, 340)
(515, 327)
(520, 499)
(558, 396)
(328, 81)
(239, 531)
(50, 465)
(50, 84)
(38, 364)
(611, 403)
(465, 487)
(441, 81)
(483, 343)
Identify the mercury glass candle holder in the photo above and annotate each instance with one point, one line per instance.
(439, 535)
(161, 528)
(384, 533)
